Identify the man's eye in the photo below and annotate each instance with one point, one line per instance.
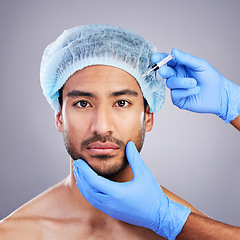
(82, 104)
(122, 103)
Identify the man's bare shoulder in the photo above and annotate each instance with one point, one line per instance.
(28, 221)
(19, 228)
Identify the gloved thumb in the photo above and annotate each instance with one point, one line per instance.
(186, 59)
(135, 161)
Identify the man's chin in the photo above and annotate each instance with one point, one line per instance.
(105, 165)
(106, 169)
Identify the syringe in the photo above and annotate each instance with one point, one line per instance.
(158, 65)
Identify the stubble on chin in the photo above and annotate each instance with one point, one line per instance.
(108, 166)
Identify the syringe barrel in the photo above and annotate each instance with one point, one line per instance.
(165, 60)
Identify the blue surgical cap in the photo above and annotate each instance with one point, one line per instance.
(98, 44)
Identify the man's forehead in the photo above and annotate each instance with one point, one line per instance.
(98, 79)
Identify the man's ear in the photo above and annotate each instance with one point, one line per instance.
(148, 120)
(59, 123)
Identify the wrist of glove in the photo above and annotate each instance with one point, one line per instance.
(140, 201)
(230, 102)
(172, 223)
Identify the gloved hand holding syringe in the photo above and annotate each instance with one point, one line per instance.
(159, 64)
(197, 86)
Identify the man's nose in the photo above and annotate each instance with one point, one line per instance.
(102, 121)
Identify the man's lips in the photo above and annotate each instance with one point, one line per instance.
(102, 148)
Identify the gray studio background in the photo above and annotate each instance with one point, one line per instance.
(195, 156)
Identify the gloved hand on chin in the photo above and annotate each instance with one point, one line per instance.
(196, 86)
(140, 201)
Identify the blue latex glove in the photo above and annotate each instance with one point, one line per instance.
(139, 202)
(196, 86)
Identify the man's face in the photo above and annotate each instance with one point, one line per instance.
(102, 110)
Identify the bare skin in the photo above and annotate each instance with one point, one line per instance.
(62, 212)
(199, 227)
(236, 122)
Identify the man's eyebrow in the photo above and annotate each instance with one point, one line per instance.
(77, 93)
(124, 92)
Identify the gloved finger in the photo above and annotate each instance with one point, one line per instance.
(157, 57)
(92, 192)
(183, 93)
(136, 163)
(84, 184)
(188, 60)
(166, 72)
(93, 201)
(180, 83)
(101, 184)
(96, 198)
